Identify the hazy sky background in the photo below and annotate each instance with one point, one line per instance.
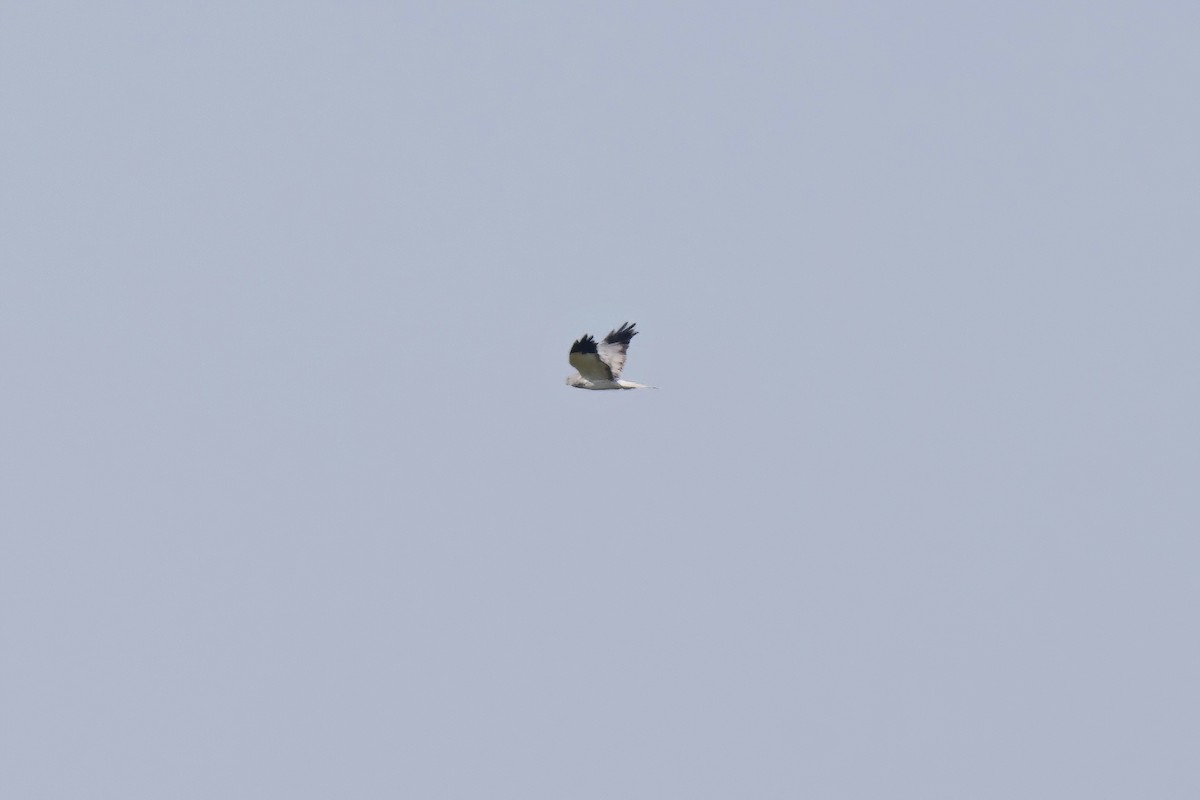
(295, 502)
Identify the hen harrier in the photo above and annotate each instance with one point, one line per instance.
(600, 364)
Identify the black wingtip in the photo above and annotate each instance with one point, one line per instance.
(584, 344)
(622, 335)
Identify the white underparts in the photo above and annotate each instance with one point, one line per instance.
(580, 382)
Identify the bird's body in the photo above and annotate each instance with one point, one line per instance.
(600, 364)
(580, 382)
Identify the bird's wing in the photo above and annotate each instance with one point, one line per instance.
(585, 358)
(613, 348)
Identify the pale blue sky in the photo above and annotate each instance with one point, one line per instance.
(295, 502)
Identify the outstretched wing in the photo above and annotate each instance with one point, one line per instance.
(586, 358)
(612, 350)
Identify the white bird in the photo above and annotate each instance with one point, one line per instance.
(600, 365)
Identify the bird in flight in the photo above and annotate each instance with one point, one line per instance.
(600, 364)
